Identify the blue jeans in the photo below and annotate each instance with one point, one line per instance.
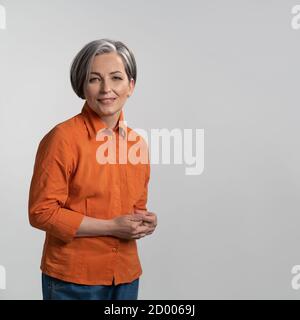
(55, 289)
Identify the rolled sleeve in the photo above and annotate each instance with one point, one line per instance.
(49, 188)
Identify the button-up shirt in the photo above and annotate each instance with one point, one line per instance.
(73, 178)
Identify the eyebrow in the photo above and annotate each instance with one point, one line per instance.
(99, 74)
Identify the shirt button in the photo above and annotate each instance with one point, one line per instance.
(114, 249)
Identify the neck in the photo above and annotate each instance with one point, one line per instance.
(111, 120)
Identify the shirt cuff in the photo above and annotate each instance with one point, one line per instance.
(66, 224)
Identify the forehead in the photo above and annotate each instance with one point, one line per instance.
(108, 62)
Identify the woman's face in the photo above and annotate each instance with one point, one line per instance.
(108, 79)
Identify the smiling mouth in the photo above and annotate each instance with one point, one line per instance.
(106, 101)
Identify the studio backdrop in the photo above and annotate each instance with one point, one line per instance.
(218, 86)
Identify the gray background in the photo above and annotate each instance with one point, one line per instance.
(228, 67)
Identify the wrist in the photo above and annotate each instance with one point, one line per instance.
(104, 227)
(109, 227)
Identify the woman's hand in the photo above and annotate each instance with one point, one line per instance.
(149, 219)
(129, 226)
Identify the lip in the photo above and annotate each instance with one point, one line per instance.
(107, 100)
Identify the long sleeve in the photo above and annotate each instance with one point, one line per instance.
(49, 188)
(142, 202)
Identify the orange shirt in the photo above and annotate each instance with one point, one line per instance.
(68, 183)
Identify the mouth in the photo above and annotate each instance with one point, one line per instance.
(106, 100)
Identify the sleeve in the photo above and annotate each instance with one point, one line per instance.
(142, 202)
(49, 188)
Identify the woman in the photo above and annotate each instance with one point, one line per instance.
(90, 202)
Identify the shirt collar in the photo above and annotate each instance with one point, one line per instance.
(95, 124)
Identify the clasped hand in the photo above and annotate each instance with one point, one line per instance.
(135, 226)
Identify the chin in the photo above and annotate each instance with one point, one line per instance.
(107, 111)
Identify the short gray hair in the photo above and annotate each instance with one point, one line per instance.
(81, 65)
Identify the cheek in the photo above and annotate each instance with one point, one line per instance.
(91, 91)
(122, 91)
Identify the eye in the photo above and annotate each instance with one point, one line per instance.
(93, 79)
(118, 78)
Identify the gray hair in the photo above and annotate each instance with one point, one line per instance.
(81, 65)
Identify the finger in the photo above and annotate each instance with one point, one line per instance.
(138, 214)
(140, 211)
(141, 229)
(149, 219)
(149, 213)
(136, 217)
(138, 236)
(137, 225)
(150, 230)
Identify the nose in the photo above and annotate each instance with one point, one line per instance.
(105, 87)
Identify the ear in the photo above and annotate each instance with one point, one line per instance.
(131, 87)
